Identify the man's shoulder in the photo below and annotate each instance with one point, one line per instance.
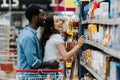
(26, 32)
(25, 35)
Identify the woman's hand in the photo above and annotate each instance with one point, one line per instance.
(80, 41)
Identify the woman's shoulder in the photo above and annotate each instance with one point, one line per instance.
(55, 36)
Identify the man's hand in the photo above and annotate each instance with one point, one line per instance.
(54, 65)
(50, 64)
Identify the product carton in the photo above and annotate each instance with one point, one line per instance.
(104, 7)
(100, 63)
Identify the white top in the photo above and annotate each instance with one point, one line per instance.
(51, 51)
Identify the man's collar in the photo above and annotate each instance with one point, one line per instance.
(33, 30)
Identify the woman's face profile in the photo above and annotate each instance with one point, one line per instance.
(58, 24)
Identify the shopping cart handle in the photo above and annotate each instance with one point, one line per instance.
(41, 70)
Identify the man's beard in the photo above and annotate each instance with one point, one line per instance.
(41, 24)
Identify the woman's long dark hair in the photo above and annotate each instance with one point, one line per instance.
(48, 31)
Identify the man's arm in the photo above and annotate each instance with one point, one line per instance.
(30, 52)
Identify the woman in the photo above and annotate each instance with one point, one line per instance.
(52, 42)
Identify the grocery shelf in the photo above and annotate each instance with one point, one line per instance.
(84, 21)
(8, 55)
(103, 48)
(7, 79)
(103, 21)
(91, 71)
(84, 0)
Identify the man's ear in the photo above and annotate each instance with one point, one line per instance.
(34, 18)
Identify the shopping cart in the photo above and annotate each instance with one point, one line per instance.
(44, 74)
(7, 65)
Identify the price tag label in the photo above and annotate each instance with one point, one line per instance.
(14, 3)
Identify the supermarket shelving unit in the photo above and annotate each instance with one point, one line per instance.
(107, 50)
(83, 67)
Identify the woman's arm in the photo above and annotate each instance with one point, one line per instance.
(66, 55)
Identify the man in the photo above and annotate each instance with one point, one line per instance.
(29, 49)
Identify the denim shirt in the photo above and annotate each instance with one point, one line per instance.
(29, 50)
